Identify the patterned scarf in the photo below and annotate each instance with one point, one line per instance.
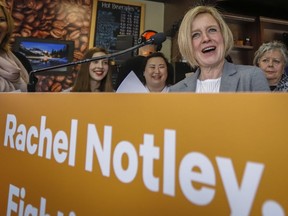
(283, 84)
(13, 75)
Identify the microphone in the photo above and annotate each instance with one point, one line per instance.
(156, 39)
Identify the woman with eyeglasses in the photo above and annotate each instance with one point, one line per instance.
(272, 58)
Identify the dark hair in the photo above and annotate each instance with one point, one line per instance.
(82, 83)
(170, 69)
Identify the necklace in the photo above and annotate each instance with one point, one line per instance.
(208, 86)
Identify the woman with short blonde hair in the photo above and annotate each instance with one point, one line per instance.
(205, 41)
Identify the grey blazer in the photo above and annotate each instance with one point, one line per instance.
(235, 78)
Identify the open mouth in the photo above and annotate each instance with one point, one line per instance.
(209, 49)
(156, 77)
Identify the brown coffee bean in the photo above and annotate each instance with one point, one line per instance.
(58, 33)
(52, 5)
(25, 32)
(49, 81)
(78, 55)
(75, 35)
(17, 23)
(69, 80)
(46, 2)
(76, 43)
(85, 30)
(18, 15)
(56, 87)
(72, 28)
(39, 5)
(19, 7)
(77, 24)
(86, 23)
(59, 24)
(27, 26)
(16, 35)
(30, 18)
(60, 78)
(41, 34)
(35, 33)
(84, 39)
(83, 47)
(72, 17)
(50, 16)
(27, 11)
(30, 4)
(87, 2)
(36, 24)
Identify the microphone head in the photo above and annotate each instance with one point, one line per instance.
(156, 39)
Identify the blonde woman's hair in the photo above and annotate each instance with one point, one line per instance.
(5, 43)
(185, 30)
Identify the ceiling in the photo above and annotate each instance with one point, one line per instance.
(269, 8)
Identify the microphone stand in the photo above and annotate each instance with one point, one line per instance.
(31, 86)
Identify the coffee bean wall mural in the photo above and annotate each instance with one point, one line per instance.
(54, 19)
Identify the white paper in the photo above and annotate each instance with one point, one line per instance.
(131, 84)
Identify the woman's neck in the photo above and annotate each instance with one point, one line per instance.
(274, 82)
(94, 85)
(155, 89)
(212, 72)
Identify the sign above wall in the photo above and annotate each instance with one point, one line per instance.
(113, 18)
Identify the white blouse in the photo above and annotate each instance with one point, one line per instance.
(208, 86)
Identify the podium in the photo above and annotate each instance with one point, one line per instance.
(143, 154)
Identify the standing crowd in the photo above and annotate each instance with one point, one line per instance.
(204, 40)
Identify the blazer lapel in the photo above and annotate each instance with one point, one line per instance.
(229, 78)
(191, 82)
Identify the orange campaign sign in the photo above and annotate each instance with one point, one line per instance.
(143, 154)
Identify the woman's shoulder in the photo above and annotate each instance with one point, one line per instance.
(246, 70)
(185, 84)
(242, 67)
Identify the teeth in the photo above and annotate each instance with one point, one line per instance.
(207, 49)
(155, 76)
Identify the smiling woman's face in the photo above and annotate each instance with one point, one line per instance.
(156, 73)
(3, 25)
(272, 63)
(98, 69)
(207, 41)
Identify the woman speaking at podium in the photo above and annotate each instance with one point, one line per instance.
(205, 40)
